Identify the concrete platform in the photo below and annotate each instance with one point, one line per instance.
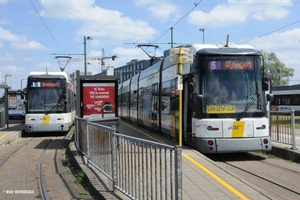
(202, 178)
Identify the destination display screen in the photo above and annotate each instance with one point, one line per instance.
(230, 65)
(44, 84)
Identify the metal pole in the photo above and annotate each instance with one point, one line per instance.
(171, 37)
(6, 75)
(6, 106)
(84, 45)
(202, 30)
(178, 172)
(180, 96)
(293, 129)
(22, 82)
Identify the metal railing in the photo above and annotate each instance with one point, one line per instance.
(140, 169)
(283, 127)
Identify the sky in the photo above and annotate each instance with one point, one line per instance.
(34, 32)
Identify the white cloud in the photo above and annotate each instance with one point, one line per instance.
(220, 16)
(28, 45)
(3, 1)
(236, 12)
(7, 58)
(163, 11)
(4, 21)
(160, 11)
(285, 45)
(96, 20)
(19, 42)
(287, 41)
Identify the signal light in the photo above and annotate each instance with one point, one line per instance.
(265, 141)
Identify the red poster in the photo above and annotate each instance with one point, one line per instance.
(99, 100)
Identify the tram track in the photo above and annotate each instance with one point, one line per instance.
(42, 183)
(37, 166)
(10, 154)
(273, 178)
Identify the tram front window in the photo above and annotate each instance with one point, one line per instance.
(44, 99)
(230, 91)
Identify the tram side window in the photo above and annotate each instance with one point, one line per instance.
(166, 97)
(174, 99)
(133, 99)
(295, 100)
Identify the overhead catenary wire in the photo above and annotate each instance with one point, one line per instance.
(195, 5)
(166, 31)
(270, 32)
(46, 26)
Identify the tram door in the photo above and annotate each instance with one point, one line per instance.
(155, 106)
(140, 105)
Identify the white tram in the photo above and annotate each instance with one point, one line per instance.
(223, 99)
(50, 102)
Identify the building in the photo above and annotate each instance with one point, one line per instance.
(130, 69)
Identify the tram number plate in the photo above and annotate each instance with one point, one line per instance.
(213, 109)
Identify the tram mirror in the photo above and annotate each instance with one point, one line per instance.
(22, 95)
(191, 88)
(270, 97)
(200, 98)
(265, 86)
(65, 102)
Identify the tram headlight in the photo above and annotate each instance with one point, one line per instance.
(265, 141)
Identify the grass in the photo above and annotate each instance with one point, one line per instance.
(79, 177)
(84, 193)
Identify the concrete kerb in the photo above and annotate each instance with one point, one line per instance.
(11, 137)
(285, 152)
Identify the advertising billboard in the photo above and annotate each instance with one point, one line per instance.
(99, 100)
(16, 106)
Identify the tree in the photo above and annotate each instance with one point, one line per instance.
(277, 70)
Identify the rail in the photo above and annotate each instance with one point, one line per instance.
(283, 127)
(140, 169)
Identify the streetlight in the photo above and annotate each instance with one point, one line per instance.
(202, 30)
(84, 44)
(6, 76)
(21, 82)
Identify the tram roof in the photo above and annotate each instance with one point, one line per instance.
(48, 73)
(215, 49)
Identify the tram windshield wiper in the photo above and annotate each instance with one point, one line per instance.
(248, 106)
(55, 104)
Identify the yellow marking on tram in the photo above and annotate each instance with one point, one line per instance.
(224, 183)
(238, 129)
(46, 119)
